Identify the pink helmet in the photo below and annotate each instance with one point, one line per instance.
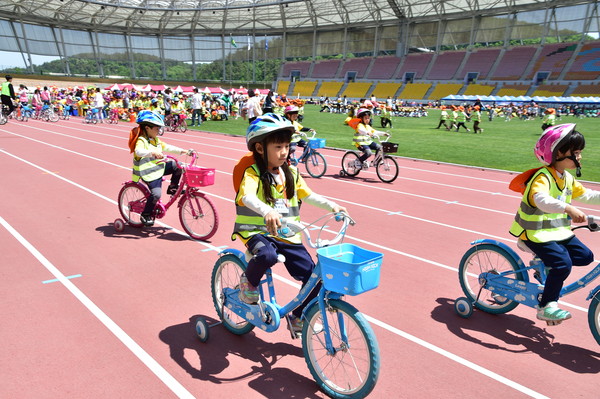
(549, 140)
(290, 108)
(362, 111)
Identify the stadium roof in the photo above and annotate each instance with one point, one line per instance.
(214, 17)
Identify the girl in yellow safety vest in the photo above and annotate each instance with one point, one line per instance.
(363, 136)
(148, 163)
(271, 190)
(543, 220)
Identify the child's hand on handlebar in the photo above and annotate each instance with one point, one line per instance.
(338, 209)
(577, 216)
(190, 152)
(273, 222)
(158, 155)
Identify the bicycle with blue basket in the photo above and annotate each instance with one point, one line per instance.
(495, 279)
(339, 345)
(92, 116)
(314, 161)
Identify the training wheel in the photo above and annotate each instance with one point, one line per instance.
(463, 307)
(119, 225)
(342, 173)
(202, 329)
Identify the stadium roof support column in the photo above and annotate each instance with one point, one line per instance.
(401, 43)
(130, 53)
(224, 60)
(26, 61)
(60, 54)
(508, 31)
(64, 49)
(161, 51)
(193, 49)
(96, 50)
(26, 43)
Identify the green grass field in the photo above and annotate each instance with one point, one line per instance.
(503, 145)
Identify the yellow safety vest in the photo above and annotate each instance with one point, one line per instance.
(361, 138)
(297, 128)
(148, 168)
(538, 225)
(249, 223)
(6, 88)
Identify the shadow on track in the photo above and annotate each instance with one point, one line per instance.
(136, 233)
(515, 334)
(264, 377)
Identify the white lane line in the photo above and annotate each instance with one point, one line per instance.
(113, 327)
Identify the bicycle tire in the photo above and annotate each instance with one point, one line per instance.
(53, 117)
(132, 192)
(491, 259)
(183, 127)
(3, 119)
(387, 169)
(206, 222)
(226, 274)
(352, 371)
(594, 317)
(350, 163)
(315, 164)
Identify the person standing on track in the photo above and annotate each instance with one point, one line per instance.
(270, 191)
(8, 95)
(543, 220)
(148, 163)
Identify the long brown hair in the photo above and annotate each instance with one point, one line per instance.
(262, 162)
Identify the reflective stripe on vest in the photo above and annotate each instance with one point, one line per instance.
(296, 137)
(538, 225)
(147, 168)
(249, 223)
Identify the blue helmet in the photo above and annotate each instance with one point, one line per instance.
(150, 117)
(264, 125)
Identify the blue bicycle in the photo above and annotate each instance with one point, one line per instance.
(495, 280)
(315, 163)
(340, 347)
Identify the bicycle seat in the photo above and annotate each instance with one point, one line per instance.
(521, 245)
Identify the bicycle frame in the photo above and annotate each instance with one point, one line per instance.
(512, 291)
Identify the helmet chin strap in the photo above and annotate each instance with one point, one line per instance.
(575, 161)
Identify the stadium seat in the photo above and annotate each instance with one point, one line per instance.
(326, 69)
(553, 59)
(416, 63)
(513, 63)
(446, 65)
(481, 61)
(384, 67)
(587, 63)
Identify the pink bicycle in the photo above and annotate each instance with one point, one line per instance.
(197, 214)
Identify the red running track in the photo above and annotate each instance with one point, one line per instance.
(121, 324)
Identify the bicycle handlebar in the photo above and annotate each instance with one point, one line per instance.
(181, 164)
(291, 228)
(592, 224)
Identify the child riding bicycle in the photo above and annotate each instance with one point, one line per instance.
(543, 221)
(291, 113)
(271, 191)
(363, 136)
(148, 163)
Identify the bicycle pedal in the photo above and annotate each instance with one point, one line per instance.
(553, 322)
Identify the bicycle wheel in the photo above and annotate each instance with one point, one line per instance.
(352, 371)
(3, 119)
(183, 127)
(491, 259)
(53, 116)
(387, 169)
(594, 317)
(198, 216)
(132, 199)
(315, 164)
(350, 163)
(226, 274)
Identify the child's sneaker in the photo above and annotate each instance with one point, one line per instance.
(248, 293)
(171, 190)
(295, 324)
(147, 220)
(551, 312)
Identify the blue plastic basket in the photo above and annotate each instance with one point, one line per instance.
(316, 143)
(349, 269)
